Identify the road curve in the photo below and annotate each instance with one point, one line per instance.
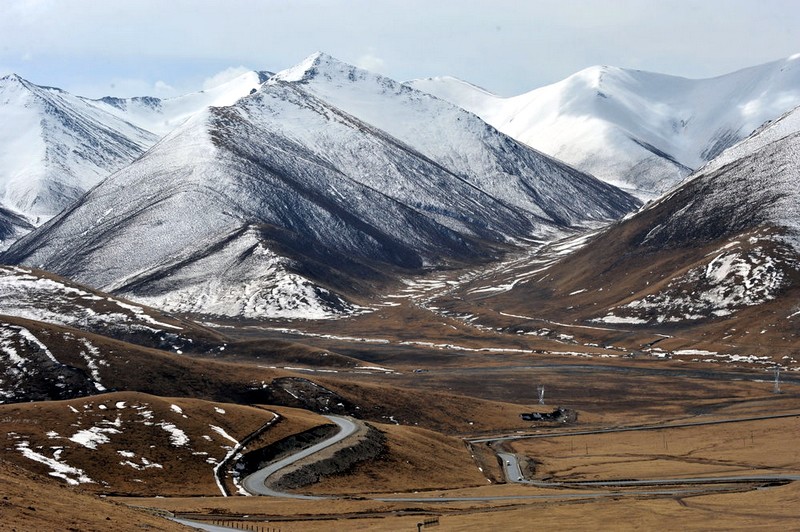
(511, 467)
(255, 483)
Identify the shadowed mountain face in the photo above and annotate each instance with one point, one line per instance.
(211, 219)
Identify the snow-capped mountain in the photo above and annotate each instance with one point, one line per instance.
(639, 130)
(160, 116)
(265, 207)
(459, 141)
(54, 146)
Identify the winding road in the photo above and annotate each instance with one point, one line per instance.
(255, 483)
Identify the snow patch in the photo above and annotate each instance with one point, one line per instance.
(71, 475)
(177, 437)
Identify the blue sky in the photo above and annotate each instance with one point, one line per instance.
(169, 47)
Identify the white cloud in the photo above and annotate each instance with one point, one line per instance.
(163, 89)
(224, 76)
(127, 88)
(29, 11)
(371, 62)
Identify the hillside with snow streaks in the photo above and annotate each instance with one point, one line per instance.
(29, 371)
(727, 239)
(642, 131)
(37, 296)
(268, 206)
(54, 146)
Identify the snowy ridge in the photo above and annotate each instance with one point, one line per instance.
(639, 130)
(13, 226)
(55, 146)
(30, 371)
(160, 116)
(25, 294)
(457, 140)
(770, 132)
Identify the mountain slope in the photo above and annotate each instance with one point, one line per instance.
(55, 146)
(264, 207)
(640, 130)
(459, 141)
(720, 254)
(12, 227)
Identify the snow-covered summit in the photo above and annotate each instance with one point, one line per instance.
(453, 138)
(54, 146)
(640, 130)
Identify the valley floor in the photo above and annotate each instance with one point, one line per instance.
(445, 387)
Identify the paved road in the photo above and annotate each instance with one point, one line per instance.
(513, 473)
(493, 439)
(563, 496)
(255, 483)
(511, 467)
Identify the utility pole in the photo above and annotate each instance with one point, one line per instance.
(540, 390)
(777, 388)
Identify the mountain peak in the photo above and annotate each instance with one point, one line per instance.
(305, 69)
(318, 65)
(14, 80)
(12, 77)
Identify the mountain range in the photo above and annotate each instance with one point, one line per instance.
(54, 146)
(298, 193)
(165, 257)
(639, 130)
(272, 206)
(716, 259)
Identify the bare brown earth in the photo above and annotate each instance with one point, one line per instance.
(769, 509)
(448, 362)
(744, 448)
(29, 502)
(413, 460)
